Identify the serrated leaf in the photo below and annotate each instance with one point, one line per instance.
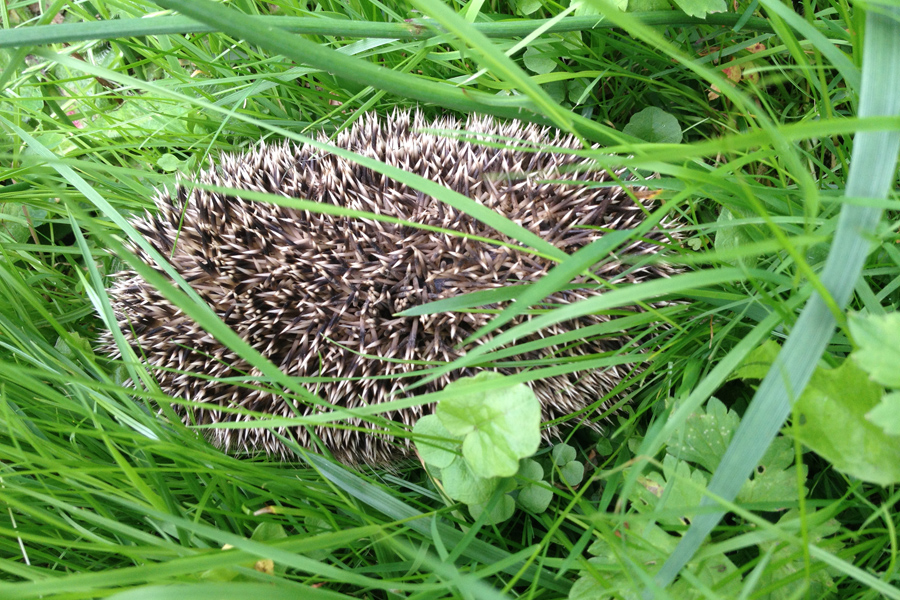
(678, 489)
(757, 363)
(654, 125)
(700, 8)
(886, 415)
(435, 444)
(648, 547)
(787, 561)
(572, 472)
(535, 498)
(500, 426)
(461, 484)
(878, 341)
(562, 453)
(706, 435)
(831, 416)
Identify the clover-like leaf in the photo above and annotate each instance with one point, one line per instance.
(535, 498)
(437, 446)
(464, 486)
(538, 60)
(503, 510)
(572, 472)
(500, 426)
(562, 454)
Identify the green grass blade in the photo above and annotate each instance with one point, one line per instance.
(417, 29)
(872, 171)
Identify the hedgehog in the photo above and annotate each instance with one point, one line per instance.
(319, 294)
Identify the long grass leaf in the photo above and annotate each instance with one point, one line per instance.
(872, 171)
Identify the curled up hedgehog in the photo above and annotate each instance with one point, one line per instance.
(319, 295)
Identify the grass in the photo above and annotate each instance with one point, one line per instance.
(103, 496)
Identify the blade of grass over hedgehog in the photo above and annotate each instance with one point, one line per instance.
(624, 296)
(414, 29)
(305, 52)
(872, 171)
(499, 63)
(185, 297)
(417, 182)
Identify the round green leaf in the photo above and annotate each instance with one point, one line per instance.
(461, 484)
(530, 470)
(500, 425)
(572, 472)
(535, 498)
(562, 454)
(503, 510)
(434, 443)
(654, 125)
(538, 61)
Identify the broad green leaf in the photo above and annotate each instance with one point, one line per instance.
(700, 8)
(503, 510)
(538, 61)
(530, 470)
(878, 341)
(774, 480)
(639, 6)
(886, 415)
(526, 7)
(677, 489)
(17, 221)
(757, 363)
(169, 162)
(832, 422)
(535, 498)
(586, 8)
(464, 486)
(434, 443)
(654, 125)
(500, 426)
(706, 435)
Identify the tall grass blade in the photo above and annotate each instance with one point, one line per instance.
(872, 170)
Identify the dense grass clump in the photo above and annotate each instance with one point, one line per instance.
(770, 132)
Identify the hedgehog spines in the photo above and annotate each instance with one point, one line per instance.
(315, 293)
